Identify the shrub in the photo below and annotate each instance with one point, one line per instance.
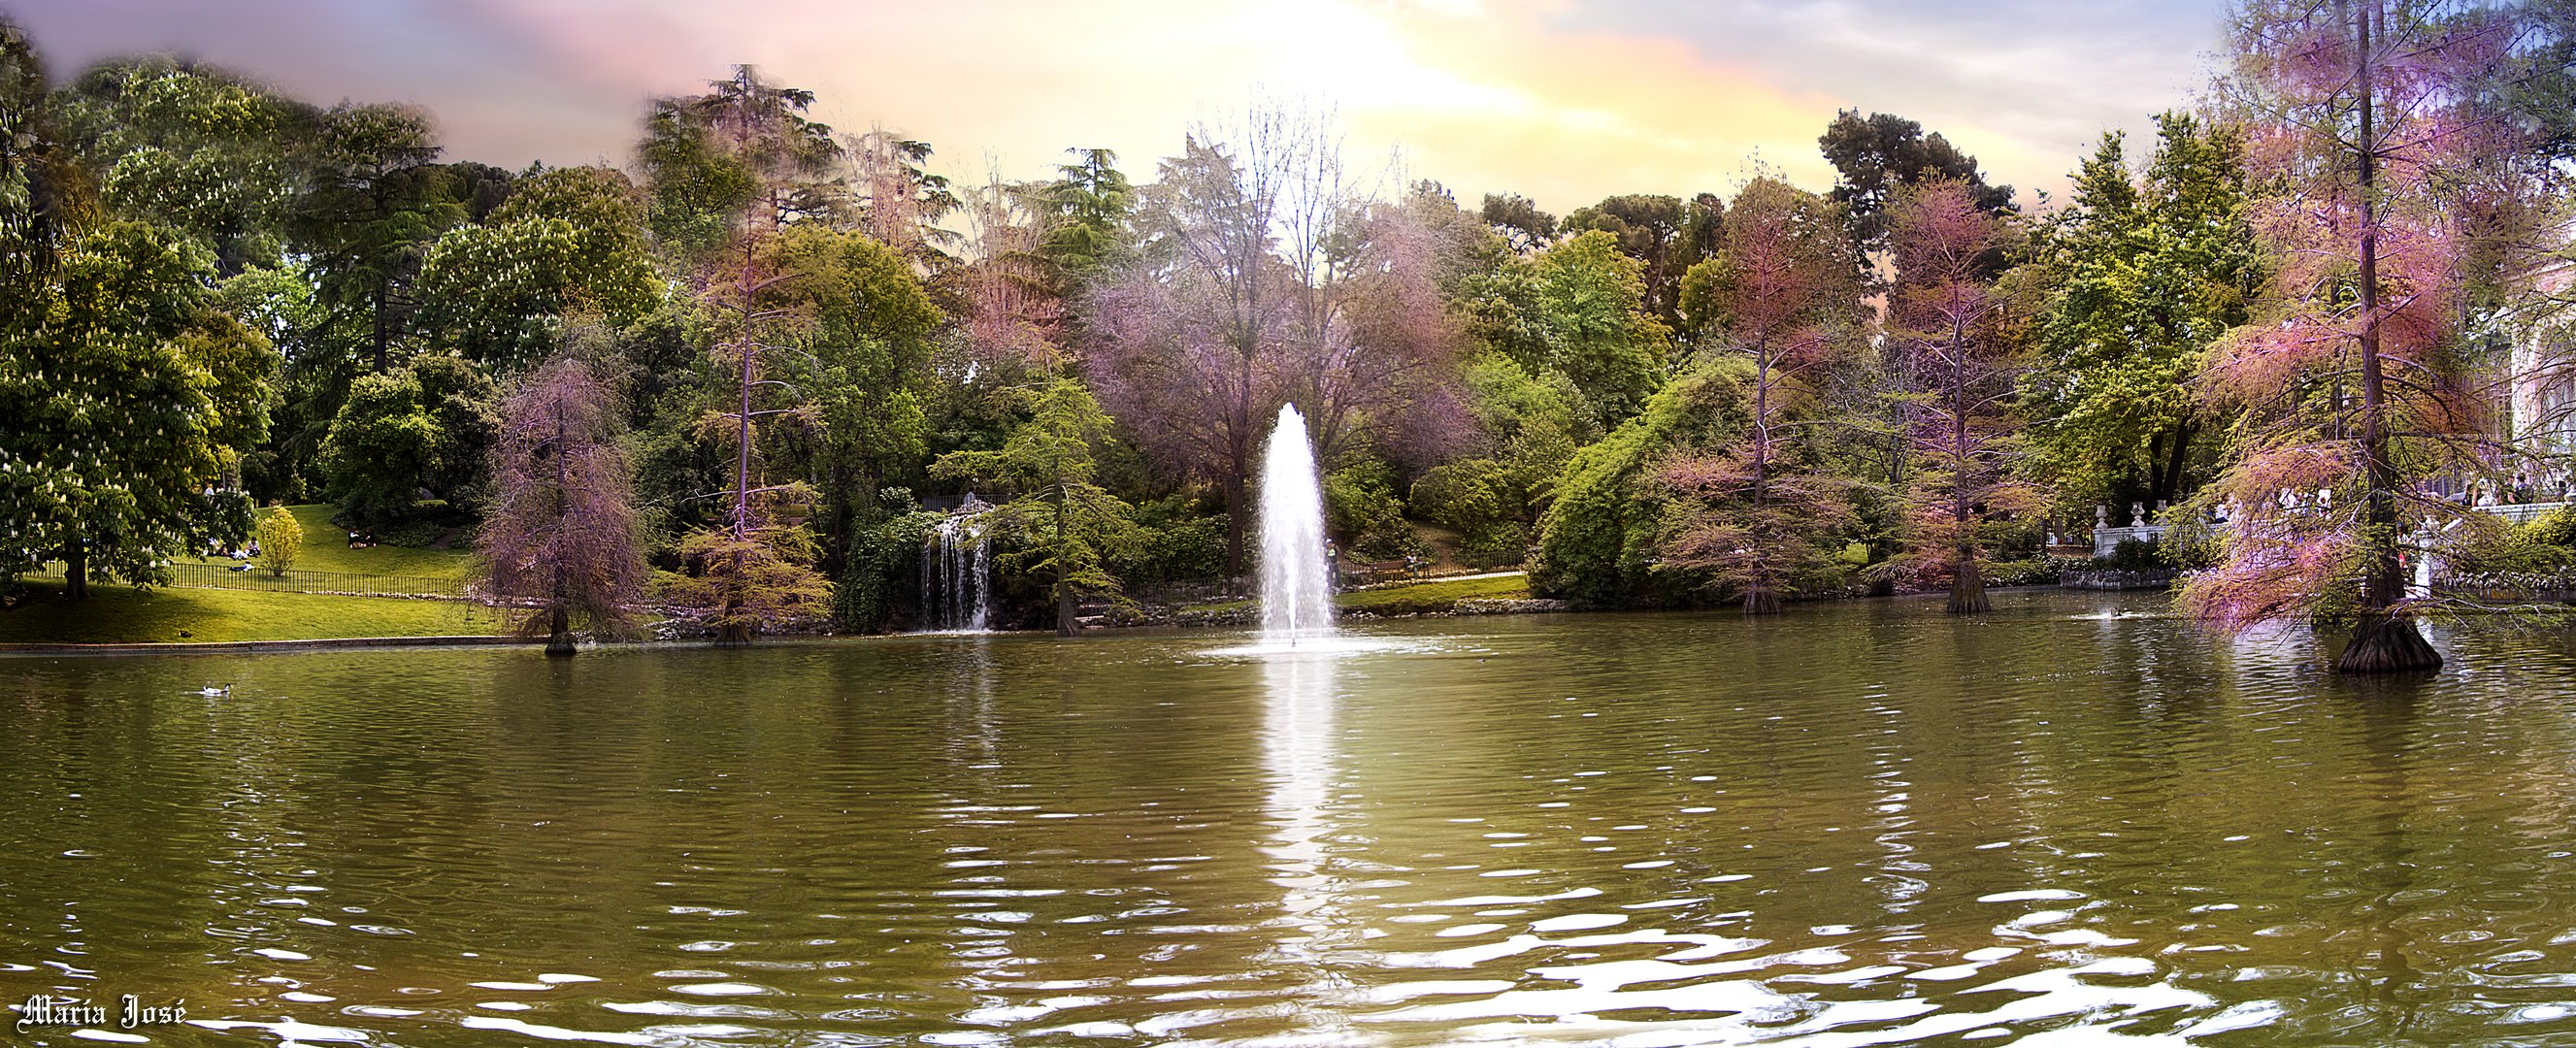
(1596, 544)
(1179, 549)
(2033, 571)
(2131, 555)
(1361, 509)
(1498, 544)
(883, 574)
(281, 539)
(2554, 528)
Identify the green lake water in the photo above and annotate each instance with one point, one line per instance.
(2070, 821)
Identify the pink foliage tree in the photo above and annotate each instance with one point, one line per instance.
(1782, 294)
(1952, 326)
(2354, 380)
(559, 545)
(1263, 278)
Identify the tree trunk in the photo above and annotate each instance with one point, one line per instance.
(76, 568)
(384, 292)
(1761, 599)
(736, 631)
(559, 640)
(2387, 644)
(1967, 586)
(2170, 490)
(1065, 624)
(2385, 641)
(1234, 507)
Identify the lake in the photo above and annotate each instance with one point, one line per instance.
(1858, 824)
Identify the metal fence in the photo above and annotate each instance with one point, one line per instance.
(230, 576)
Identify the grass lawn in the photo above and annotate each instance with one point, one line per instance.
(124, 615)
(1411, 597)
(326, 548)
(1433, 595)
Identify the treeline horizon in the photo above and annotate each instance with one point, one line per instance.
(1903, 381)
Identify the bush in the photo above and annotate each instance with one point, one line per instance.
(2033, 571)
(1362, 511)
(1461, 495)
(1177, 549)
(281, 539)
(2554, 528)
(2131, 555)
(882, 577)
(1596, 544)
(1500, 544)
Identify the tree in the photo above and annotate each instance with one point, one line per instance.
(2352, 375)
(1519, 220)
(1758, 514)
(1952, 324)
(1577, 309)
(1879, 156)
(129, 398)
(427, 426)
(561, 544)
(1009, 291)
(1087, 208)
(1600, 541)
(730, 170)
(1261, 277)
(1068, 528)
(1666, 235)
(567, 241)
(194, 148)
(865, 325)
(281, 539)
(374, 203)
(1527, 428)
(740, 160)
(900, 203)
(2145, 279)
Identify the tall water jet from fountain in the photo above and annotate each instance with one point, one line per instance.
(1296, 590)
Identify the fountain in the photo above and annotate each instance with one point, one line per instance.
(1296, 591)
(956, 574)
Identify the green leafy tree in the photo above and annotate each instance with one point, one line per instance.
(1576, 309)
(739, 159)
(194, 148)
(1519, 221)
(1666, 235)
(128, 397)
(281, 304)
(281, 541)
(1878, 156)
(2146, 278)
(1599, 543)
(567, 241)
(1527, 428)
(374, 203)
(1065, 527)
(425, 427)
(866, 327)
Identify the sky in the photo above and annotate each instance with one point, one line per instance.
(1564, 101)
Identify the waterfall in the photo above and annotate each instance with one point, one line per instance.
(1296, 595)
(957, 576)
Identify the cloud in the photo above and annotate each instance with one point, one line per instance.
(1563, 102)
